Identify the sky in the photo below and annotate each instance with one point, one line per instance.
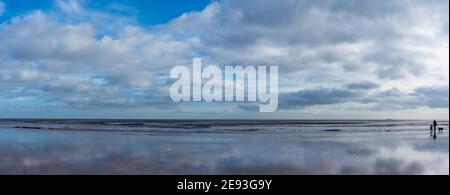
(344, 59)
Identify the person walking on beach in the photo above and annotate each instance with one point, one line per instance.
(431, 130)
(434, 125)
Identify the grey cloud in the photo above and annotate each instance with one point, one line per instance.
(293, 21)
(395, 63)
(431, 97)
(367, 85)
(391, 93)
(434, 97)
(316, 97)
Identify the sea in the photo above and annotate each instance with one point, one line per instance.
(235, 147)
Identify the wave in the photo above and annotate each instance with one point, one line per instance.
(223, 126)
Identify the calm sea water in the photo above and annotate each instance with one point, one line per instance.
(221, 147)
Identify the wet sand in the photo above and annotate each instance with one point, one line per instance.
(33, 151)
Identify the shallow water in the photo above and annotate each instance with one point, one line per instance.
(381, 147)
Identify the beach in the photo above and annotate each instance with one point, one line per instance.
(145, 147)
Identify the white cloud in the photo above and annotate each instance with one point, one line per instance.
(60, 48)
(64, 60)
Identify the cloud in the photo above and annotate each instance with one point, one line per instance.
(332, 44)
(434, 97)
(391, 99)
(54, 45)
(296, 27)
(322, 96)
(363, 85)
(76, 64)
(328, 52)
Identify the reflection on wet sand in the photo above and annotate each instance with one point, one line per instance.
(72, 152)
